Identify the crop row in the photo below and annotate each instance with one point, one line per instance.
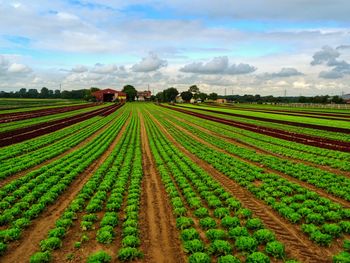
(26, 198)
(36, 143)
(320, 218)
(335, 159)
(27, 160)
(213, 223)
(98, 205)
(298, 130)
(335, 184)
(5, 127)
(274, 117)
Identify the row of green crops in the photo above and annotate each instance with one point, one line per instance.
(335, 184)
(27, 160)
(24, 105)
(26, 198)
(10, 126)
(39, 142)
(213, 224)
(320, 218)
(98, 205)
(280, 111)
(290, 128)
(270, 116)
(335, 159)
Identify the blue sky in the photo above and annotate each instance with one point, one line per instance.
(254, 47)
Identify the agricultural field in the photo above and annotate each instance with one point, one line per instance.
(83, 182)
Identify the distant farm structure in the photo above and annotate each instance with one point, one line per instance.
(144, 95)
(109, 95)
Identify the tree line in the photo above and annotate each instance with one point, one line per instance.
(168, 95)
(45, 93)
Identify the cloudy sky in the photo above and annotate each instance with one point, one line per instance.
(243, 47)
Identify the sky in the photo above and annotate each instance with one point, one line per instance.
(238, 47)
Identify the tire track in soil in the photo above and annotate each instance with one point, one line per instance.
(319, 191)
(160, 237)
(297, 245)
(263, 151)
(15, 176)
(22, 249)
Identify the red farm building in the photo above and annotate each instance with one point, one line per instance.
(107, 95)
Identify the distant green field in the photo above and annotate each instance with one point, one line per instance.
(16, 105)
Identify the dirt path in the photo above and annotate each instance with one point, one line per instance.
(159, 235)
(268, 170)
(29, 243)
(297, 244)
(81, 144)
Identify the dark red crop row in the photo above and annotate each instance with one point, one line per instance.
(286, 135)
(297, 124)
(17, 116)
(19, 135)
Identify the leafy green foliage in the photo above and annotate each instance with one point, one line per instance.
(275, 249)
(199, 257)
(99, 257)
(40, 257)
(129, 253)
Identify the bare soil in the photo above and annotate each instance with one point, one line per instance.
(159, 234)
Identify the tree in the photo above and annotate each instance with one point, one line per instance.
(33, 93)
(170, 94)
(160, 96)
(213, 96)
(337, 100)
(130, 92)
(203, 96)
(186, 96)
(194, 89)
(44, 92)
(22, 92)
(57, 93)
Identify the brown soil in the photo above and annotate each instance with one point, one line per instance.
(29, 243)
(297, 244)
(159, 235)
(268, 170)
(81, 144)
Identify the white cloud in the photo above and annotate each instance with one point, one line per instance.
(79, 69)
(330, 57)
(18, 68)
(283, 73)
(218, 65)
(150, 63)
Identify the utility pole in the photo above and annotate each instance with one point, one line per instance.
(60, 87)
(225, 92)
(285, 92)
